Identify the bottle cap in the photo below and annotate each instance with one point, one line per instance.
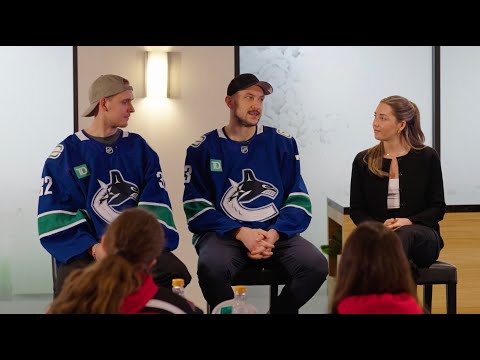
(240, 289)
(178, 282)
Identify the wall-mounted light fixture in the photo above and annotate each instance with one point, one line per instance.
(156, 74)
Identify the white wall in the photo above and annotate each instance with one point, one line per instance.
(169, 125)
(460, 89)
(325, 96)
(37, 99)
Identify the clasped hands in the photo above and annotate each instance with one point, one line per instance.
(259, 242)
(396, 223)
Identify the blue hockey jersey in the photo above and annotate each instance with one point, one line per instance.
(86, 184)
(256, 184)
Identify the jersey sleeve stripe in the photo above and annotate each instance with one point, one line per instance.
(299, 200)
(298, 207)
(162, 212)
(57, 221)
(196, 208)
(197, 200)
(146, 203)
(167, 226)
(56, 212)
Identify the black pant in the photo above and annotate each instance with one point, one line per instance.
(221, 257)
(168, 267)
(422, 244)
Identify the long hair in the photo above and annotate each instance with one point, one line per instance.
(373, 262)
(132, 241)
(412, 134)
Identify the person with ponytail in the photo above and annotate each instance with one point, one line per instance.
(119, 282)
(399, 182)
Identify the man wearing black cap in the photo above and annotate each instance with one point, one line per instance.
(92, 176)
(246, 203)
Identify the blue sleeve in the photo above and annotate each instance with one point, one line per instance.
(63, 223)
(199, 196)
(154, 197)
(296, 211)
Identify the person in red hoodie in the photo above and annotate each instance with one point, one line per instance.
(120, 282)
(374, 274)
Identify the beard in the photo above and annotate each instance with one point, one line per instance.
(245, 122)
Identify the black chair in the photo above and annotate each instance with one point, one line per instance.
(262, 276)
(439, 272)
(54, 273)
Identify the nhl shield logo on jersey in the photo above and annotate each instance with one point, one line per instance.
(250, 188)
(109, 197)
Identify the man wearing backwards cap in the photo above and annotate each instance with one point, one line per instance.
(246, 203)
(92, 176)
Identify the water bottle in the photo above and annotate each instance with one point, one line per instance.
(178, 287)
(240, 304)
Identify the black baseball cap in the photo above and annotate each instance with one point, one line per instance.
(244, 81)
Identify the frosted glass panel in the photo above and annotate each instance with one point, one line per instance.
(325, 97)
(37, 113)
(460, 125)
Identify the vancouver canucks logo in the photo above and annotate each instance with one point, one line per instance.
(110, 196)
(250, 188)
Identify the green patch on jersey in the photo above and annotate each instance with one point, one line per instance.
(215, 165)
(81, 171)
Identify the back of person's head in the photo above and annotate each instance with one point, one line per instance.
(373, 262)
(133, 242)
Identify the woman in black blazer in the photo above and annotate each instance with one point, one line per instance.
(399, 181)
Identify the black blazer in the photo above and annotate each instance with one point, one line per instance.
(421, 189)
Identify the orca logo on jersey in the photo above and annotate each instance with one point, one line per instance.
(110, 196)
(250, 188)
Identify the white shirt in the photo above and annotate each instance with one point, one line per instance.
(393, 197)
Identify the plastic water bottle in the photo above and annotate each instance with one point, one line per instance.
(240, 304)
(178, 287)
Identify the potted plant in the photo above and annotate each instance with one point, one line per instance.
(333, 249)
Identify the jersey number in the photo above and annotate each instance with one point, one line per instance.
(188, 173)
(161, 182)
(48, 181)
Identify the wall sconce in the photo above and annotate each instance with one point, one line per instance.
(156, 74)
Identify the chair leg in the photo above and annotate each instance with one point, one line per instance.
(451, 298)
(54, 273)
(273, 293)
(427, 297)
(209, 309)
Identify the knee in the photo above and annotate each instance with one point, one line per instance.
(319, 267)
(211, 271)
(185, 274)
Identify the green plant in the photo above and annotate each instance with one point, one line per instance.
(334, 246)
